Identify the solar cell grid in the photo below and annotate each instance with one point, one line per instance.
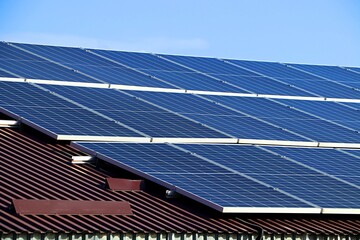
(332, 111)
(319, 130)
(55, 114)
(262, 85)
(273, 69)
(6, 74)
(247, 159)
(183, 103)
(68, 56)
(42, 70)
(209, 65)
(226, 191)
(8, 52)
(202, 178)
(318, 189)
(194, 81)
(163, 124)
(71, 121)
(121, 75)
(330, 161)
(140, 61)
(325, 88)
(145, 117)
(246, 127)
(330, 72)
(259, 107)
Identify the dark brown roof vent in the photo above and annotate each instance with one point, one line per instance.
(121, 184)
(71, 207)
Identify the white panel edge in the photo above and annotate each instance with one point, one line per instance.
(68, 83)
(343, 100)
(341, 210)
(148, 89)
(195, 140)
(9, 79)
(199, 92)
(291, 97)
(270, 210)
(8, 122)
(103, 138)
(278, 142)
(82, 158)
(339, 145)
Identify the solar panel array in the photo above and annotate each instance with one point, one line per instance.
(150, 99)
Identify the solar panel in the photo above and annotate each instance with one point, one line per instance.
(27, 65)
(54, 115)
(218, 117)
(282, 173)
(262, 85)
(137, 114)
(195, 177)
(330, 72)
(140, 61)
(93, 65)
(332, 111)
(195, 81)
(288, 118)
(329, 161)
(231, 176)
(209, 65)
(325, 88)
(275, 70)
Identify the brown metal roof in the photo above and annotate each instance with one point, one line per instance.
(33, 167)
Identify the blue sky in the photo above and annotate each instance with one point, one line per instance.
(303, 31)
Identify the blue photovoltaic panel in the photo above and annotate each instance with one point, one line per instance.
(183, 103)
(194, 81)
(247, 159)
(140, 61)
(6, 74)
(186, 172)
(8, 52)
(138, 114)
(275, 70)
(234, 123)
(259, 107)
(262, 85)
(290, 119)
(68, 56)
(231, 190)
(95, 66)
(55, 114)
(332, 111)
(330, 161)
(354, 69)
(319, 189)
(281, 173)
(325, 88)
(209, 65)
(121, 75)
(246, 127)
(27, 65)
(330, 72)
(42, 70)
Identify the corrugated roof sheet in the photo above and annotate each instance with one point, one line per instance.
(33, 167)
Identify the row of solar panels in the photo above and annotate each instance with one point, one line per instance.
(77, 113)
(166, 71)
(245, 179)
(229, 178)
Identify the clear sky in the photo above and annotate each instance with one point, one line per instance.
(300, 31)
